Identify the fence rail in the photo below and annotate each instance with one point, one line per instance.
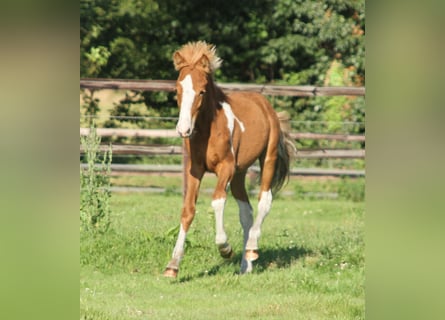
(119, 169)
(267, 89)
(171, 133)
(177, 150)
(132, 133)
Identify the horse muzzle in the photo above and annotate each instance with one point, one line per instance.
(185, 128)
(184, 133)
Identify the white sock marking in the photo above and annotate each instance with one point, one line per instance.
(246, 219)
(265, 202)
(178, 251)
(218, 207)
(264, 206)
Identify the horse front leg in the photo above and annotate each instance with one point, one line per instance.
(218, 204)
(225, 249)
(187, 215)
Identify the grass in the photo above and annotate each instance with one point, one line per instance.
(311, 263)
(300, 188)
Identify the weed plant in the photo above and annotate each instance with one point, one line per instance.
(95, 185)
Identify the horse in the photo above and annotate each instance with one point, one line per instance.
(225, 134)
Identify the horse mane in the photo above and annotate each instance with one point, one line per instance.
(199, 54)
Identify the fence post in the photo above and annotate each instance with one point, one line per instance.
(185, 159)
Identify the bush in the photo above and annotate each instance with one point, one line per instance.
(95, 185)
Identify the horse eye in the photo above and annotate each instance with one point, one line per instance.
(202, 92)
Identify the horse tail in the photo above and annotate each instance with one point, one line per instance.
(286, 153)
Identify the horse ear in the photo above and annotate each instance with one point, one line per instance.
(204, 63)
(178, 60)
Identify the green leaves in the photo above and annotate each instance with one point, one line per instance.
(284, 41)
(97, 57)
(262, 37)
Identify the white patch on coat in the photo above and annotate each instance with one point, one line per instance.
(185, 122)
(231, 121)
(231, 117)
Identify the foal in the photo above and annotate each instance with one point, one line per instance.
(225, 134)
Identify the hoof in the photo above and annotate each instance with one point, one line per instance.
(170, 273)
(252, 255)
(228, 255)
(226, 251)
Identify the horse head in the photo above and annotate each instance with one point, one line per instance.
(195, 63)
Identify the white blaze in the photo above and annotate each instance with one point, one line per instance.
(185, 123)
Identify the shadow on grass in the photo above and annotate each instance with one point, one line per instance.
(278, 258)
(270, 258)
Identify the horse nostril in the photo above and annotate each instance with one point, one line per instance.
(184, 130)
(184, 134)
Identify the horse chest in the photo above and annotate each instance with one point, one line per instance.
(219, 149)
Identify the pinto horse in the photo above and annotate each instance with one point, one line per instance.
(225, 134)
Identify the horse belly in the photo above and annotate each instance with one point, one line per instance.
(250, 148)
(254, 112)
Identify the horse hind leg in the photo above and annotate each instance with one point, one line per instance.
(264, 204)
(245, 215)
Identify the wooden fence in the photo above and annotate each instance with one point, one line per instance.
(159, 169)
(266, 89)
(131, 149)
(171, 133)
(175, 150)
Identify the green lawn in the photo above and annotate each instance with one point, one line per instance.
(311, 263)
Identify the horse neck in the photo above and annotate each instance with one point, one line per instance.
(215, 94)
(210, 104)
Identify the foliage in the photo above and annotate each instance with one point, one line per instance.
(95, 186)
(284, 41)
(91, 106)
(262, 40)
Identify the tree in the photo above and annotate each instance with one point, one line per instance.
(282, 41)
